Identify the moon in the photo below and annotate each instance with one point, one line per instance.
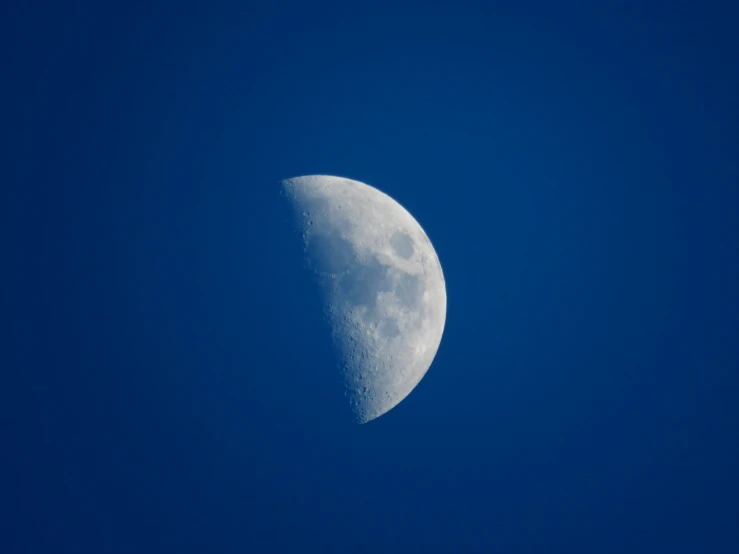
(383, 287)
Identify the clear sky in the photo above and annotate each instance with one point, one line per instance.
(576, 166)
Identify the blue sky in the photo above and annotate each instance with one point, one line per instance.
(575, 166)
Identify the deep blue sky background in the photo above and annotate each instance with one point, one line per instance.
(577, 169)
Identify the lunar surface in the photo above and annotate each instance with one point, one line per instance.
(382, 283)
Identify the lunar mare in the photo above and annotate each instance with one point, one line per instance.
(383, 286)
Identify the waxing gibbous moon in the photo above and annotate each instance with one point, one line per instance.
(382, 283)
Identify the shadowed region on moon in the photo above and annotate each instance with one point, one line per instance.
(382, 282)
